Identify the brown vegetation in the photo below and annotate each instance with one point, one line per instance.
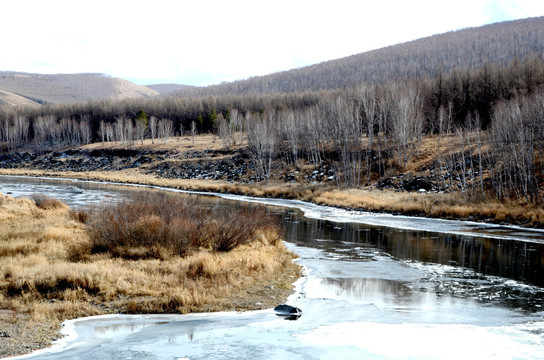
(53, 268)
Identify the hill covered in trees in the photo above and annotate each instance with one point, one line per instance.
(65, 88)
(468, 49)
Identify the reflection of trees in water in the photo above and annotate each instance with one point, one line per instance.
(366, 287)
(506, 258)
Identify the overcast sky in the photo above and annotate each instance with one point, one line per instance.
(210, 41)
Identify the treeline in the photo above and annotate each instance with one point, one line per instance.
(78, 123)
(368, 133)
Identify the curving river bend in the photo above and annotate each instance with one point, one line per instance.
(375, 286)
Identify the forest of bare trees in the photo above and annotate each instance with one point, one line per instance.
(493, 116)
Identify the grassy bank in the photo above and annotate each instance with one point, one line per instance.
(440, 205)
(57, 264)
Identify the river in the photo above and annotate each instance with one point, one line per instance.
(375, 286)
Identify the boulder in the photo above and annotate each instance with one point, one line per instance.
(288, 312)
(419, 183)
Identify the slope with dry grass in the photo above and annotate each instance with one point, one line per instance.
(54, 267)
(70, 88)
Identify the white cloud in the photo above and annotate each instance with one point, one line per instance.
(212, 40)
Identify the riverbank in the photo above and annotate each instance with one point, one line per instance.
(49, 273)
(450, 205)
(202, 163)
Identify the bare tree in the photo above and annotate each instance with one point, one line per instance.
(366, 95)
(384, 115)
(102, 132)
(290, 133)
(110, 132)
(129, 132)
(193, 130)
(407, 120)
(346, 133)
(312, 133)
(261, 137)
(85, 129)
(141, 129)
(236, 124)
(46, 131)
(165, 129)
(224, 131)
(153, 128)
(120, 129)
(514, 132)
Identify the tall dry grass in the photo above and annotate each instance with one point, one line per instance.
(444, 205)
(50, 266)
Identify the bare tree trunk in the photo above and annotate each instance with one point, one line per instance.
(165, 129)
(407, 122)
(236, 123)
(367, 99)
(193, 130)
(102, 132)
(153, 128)
(261, 137)
(346, 131)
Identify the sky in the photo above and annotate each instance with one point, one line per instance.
(207, 42)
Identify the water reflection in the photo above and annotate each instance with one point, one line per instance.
(358, 288)
(124, 328)
(517, 260)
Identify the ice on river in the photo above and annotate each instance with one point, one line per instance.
(352, 310)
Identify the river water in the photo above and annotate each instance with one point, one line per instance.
(375, 286)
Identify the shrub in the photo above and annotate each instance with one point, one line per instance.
(158, 225)
(45, 202)
(80, 216)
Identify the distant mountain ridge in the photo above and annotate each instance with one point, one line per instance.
(37, 89)
(469, 48)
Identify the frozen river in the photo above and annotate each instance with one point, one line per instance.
(374, 286)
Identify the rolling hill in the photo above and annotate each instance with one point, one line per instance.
(467, 49)
(17, 88)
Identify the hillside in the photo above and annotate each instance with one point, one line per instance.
(66, 88)
(165, 89)
(11, 99)
(465, 49)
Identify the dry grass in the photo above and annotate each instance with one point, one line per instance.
(445, 205)
(47, 272)
(176, 144)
